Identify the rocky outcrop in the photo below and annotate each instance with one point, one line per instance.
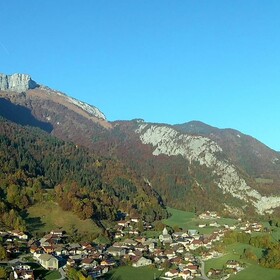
(65, 99)
(17, 82)
(23, 82)
(168, 141)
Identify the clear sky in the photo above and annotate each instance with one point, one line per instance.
(168, 61)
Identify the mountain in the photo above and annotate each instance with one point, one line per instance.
(245, 151)
(192, 166)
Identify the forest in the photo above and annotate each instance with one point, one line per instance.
(36, 166)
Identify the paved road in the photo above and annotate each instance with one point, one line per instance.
(202, 269)
(62, 273)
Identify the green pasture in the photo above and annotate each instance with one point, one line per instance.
(188, 220)
(46, 216)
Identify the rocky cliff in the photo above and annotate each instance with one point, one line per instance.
(23, 83)
(17, 82)
(203, 150)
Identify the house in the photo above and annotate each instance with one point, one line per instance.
(88, 262)
(141, 247)
(118, 235)
(171, 273)
(214, 224)
(165, 237)
(24, 274)
(58, 233)
(140, 239)
(19, 234)
(196, 244)
(176, 260)
(215, 272)
(48, 249)
(160, 259)
(232, 264)
(74, 249)
(108, 262)
(206, 256)
(123, 223)
(209, 215)
(130, 242)
(135, 219)
(116, 251)
(150, 244)
(142, 261)
(71, 262)
(169, 254)
(48, 261)
(192, 268)
(192, 232)
(185, 274)
(202, 225)
(180, 234)
(22, 271)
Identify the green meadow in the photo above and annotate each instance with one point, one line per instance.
(188, 220)
(46, 216)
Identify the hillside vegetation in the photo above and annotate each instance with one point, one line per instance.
(33, 162)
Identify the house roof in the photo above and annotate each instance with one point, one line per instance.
(46, 257)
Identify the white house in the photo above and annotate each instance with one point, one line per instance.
(141, 262)
(48, 261)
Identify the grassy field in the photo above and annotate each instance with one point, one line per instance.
(48, 215)
(252, 271)
(179, 218)
(129, 273)
(188, 220)
(256, 272)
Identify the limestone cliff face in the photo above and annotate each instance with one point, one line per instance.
(168, 141)
(17, 82)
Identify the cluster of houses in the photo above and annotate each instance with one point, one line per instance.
(172, 253)
(22, 271)
(251, 227)
(209, 215)
(130, 227)
(167, 251)
(52, 251)
(14, 242)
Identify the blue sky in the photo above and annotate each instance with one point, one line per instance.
(167, 61)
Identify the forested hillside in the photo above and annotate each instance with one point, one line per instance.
(36, 166)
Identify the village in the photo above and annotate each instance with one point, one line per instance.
(178, 254)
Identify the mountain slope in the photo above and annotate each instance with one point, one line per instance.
(36, 166)
(206, 152)
(256, 159)
(193, 166)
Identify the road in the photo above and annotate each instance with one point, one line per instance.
(62, 273)
(202, 269)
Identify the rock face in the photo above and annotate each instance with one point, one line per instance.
(23, 82)
(170, 142)
(17, 82)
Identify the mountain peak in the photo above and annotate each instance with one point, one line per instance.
(23, 82)
(17, 82)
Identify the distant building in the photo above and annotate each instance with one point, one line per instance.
(48, 261)
(165, 237)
